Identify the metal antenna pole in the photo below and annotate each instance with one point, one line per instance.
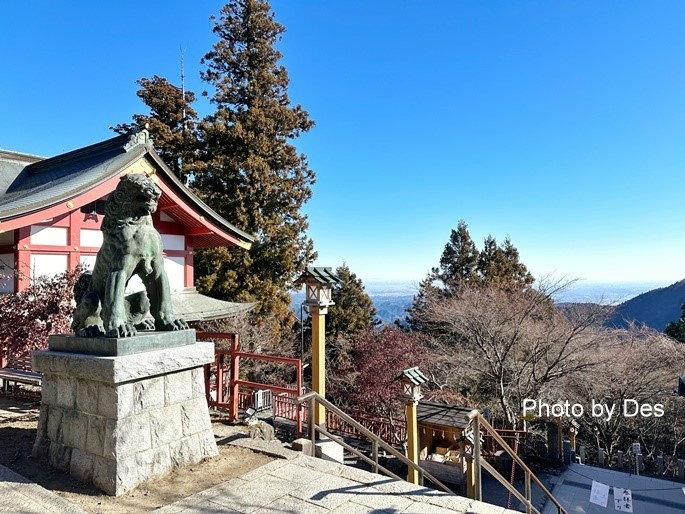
(183, 117)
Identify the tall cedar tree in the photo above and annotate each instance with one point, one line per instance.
(172, 123)
(240, 158)
(252, 174)
(353, 311)
(463, 266)
(459, 262)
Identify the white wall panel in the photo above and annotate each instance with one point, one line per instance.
(91, 238)
(48, 264)
(87, 261)
(135, 285)
(175, 270)
(53, 236)
(173, 242)
(163, 216)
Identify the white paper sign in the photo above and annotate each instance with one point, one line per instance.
(623, 500)
(599, 494)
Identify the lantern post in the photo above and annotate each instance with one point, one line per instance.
(318, 282)
(411, 380)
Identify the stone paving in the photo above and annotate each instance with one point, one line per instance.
(291, 484)
(20, 495)
(294, 484)
(313, 486)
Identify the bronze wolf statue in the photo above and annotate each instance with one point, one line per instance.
(131, 246)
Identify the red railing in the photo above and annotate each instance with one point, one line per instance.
(221, 377)
(394, 433)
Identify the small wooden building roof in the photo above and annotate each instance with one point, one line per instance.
(34, 189)
(442, 415)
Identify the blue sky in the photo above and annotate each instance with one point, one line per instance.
(558, 124)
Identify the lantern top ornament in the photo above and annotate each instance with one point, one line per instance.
(319, 282)
(411, 380)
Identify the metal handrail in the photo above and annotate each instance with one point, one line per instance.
(478, 420)
(313, 397)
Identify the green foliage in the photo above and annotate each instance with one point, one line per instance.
(353, 311)
(676, 329)
(253, 175)
(460, 260)
(500, 265)
(241, 159)
(172, 123)
(463, 266)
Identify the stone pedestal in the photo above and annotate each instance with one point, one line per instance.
(117, 421)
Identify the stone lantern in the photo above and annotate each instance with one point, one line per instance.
(411, 380)
(318, 284)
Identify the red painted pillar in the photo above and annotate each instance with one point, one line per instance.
(219, 378)
(74, 239)
(23, 256)
(235, 374)
(189, 276)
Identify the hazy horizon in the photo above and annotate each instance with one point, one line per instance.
(392, 297)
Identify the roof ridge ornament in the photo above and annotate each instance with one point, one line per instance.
(139, 136)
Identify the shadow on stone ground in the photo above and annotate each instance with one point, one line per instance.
(18, 423)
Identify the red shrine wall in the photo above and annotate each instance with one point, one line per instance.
(55, 245)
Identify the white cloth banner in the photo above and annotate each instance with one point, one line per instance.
(623, 500)
(599, 494)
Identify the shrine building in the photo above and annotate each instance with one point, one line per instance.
(51, 211)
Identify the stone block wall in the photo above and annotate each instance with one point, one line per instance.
(115, 434)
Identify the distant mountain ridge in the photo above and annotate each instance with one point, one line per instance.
(390, 305)
(655, 308)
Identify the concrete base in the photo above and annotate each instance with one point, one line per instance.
(119, 421)
(330, 451)
(118, 346)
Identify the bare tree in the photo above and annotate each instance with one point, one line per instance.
(635, 371)
(511, 343)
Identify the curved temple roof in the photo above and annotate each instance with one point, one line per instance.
(32, 189)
